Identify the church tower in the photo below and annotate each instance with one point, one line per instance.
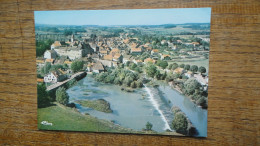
(72, 38)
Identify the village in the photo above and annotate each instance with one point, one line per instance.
(97, 54)
(123, 73)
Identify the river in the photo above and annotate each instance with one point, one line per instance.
(134, 110)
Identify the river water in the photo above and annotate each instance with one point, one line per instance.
(134, 110)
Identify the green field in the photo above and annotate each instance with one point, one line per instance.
(65, 118)
(204, 62)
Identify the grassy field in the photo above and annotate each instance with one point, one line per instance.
(204, 62)
(65, 118)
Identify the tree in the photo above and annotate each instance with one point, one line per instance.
(187, 67)
(162, 64)
(42, 96)
(76, 66)
(133, 66)
(42, 46)
(117, 81)
(61, 96)
(191, 85)
(180, 123)
(202, 69)
(133, 84)
(128, 80)
(127, 63)
(158, 75)
(139, 84)
(164, 76)
(174, 66)
(149, 126)
(170, 66)
(67, 32)
(65, 66)
(151, 70)
(194, 68)
(46, 68)
(182, 65)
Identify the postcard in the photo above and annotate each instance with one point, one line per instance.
(138, 71)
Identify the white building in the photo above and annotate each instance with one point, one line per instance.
(50, 54)
(55, 76)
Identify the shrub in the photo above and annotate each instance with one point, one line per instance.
(149, 126)
(42, 96)
(180, 123)
(61, 96)
(133, 84)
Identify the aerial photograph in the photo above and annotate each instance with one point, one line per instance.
(136, 71)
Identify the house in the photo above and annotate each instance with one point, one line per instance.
(165, 57)
(68, 62)
(155, 52)
(50, 61)
(94, 47)
(55, 76)
(114, 51)
(103, 52)
(178, 70)
(127, 58)
(137, 61)
(202, 80)
(55, 45)
(89, 67)
(94, 56)
(40, 62)
(108, 57)
(50, 54)
(118, 58)
(147, 60)
(98, 67)
(195, 43)
(163, 42)
(74, 52)
(189, 74)
(136, 51)
(39, 80)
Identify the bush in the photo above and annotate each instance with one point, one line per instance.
(71, 83)
(133, 84)
(202, 101)
(180, 123)
(139, 84)
(149, 126)
(162, 64)
(187, 67)
(42, 96)
(191, 85)
(76, 66)
(151, 70)
(182, 65)
(174, 66)
(61, 96)
(202, 69)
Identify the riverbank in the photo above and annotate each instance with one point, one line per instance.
(178, 89)
(60, 117)
(66, 118)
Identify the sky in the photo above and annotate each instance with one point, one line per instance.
(124, 17)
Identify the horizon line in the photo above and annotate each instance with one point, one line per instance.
(129, 24)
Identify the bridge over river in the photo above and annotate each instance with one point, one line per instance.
(76, 76)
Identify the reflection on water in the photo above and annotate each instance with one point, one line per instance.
(132, 110)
